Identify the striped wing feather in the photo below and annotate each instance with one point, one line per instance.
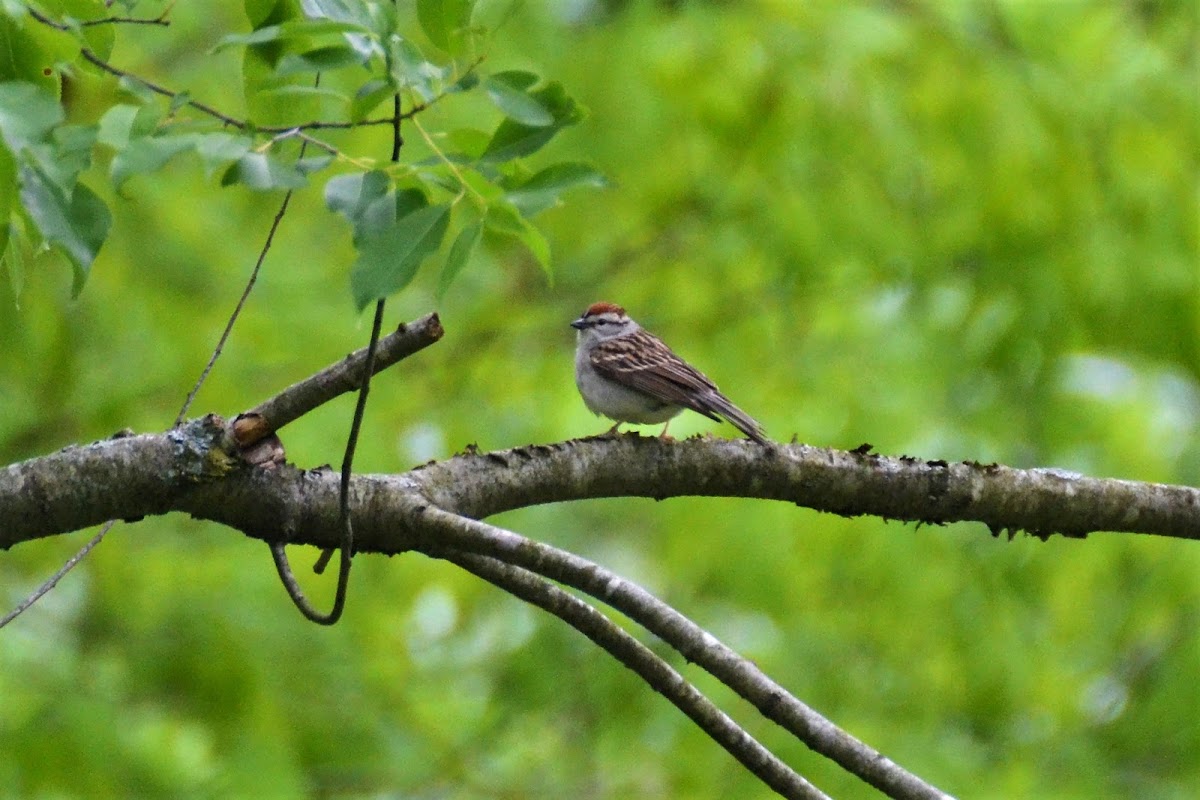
(641, 361)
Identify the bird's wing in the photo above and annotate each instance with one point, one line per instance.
(641, 361)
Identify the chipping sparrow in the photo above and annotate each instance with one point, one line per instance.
(627, 374)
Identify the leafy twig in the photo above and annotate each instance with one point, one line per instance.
(242, 125)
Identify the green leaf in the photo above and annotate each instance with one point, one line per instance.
(409, 69)
(468, 141)
(270, 33)
(465, 82)
(376, 217)
(310, 164)
(508, 91)
(295, 91)
(521, 80)
(99, 38)
(505, 220)
(78, 226)
(364, 200)
(483, 186)
(367, 204)
(75, 142)
(27, 114)
(339, 11)
(218, 149)
(177, 102)
(147, 154)
(136, 89)
(294, 29)
(269, 107)
(116, 126)
(147, 119)
(368, 97)
(439, 179)
(261, 172)
(349, 195)
(514, 139)
(443, 20)
(14, 260)
(32, 53)
(322, 59)
(67, 153)
(409, 201)
(264, 12)
(91, 221)
(388, 262)
(460, 253)
(542, 191)
(9, 192)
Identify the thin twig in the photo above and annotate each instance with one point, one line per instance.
(234, 122)
(346, 547)
(326, 554)
(56, 577)
(237, 309)
(660, 675)
(346, 550)
(127, 21)
(161, 19)
(397, 139)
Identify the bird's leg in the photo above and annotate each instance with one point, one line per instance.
(663, 435)
(613, 430)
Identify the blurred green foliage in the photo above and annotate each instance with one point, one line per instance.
(954, 230)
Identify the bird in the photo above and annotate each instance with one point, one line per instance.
(628, 374)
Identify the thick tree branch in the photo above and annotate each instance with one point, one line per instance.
(1040, 501)
(85, 485)
(179, 470)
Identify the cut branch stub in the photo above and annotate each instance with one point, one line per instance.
(344, 376)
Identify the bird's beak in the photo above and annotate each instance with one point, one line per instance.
(579, 324)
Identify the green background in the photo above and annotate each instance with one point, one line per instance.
(952, 230)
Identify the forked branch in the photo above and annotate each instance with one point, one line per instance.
(660, 675)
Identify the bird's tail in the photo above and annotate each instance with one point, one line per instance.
(738, 418)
